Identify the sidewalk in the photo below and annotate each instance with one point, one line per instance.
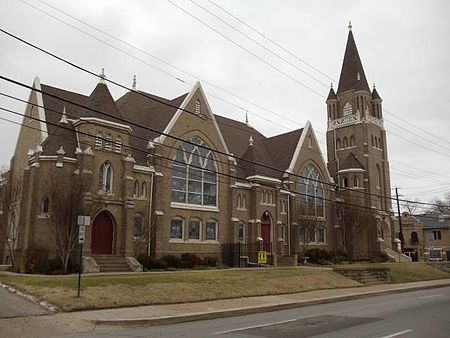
(178, 313)
(83, 321)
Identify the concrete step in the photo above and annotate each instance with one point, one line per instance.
(111, 263)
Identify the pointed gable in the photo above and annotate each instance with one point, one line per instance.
(351, 162)
(352, 73)
(375, 95)
(331, 95)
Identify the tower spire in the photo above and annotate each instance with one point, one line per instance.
(133, 87)
(352, 72)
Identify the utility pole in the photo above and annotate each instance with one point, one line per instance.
(402, 242)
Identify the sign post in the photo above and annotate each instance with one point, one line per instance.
(82, 221)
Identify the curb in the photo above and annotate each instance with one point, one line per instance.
(46, 306)
(166, 320)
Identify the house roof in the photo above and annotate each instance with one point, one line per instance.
(151, 111)
(434, 220)
(352, 72)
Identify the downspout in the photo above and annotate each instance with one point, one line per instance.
(289, 222)
(150, 206)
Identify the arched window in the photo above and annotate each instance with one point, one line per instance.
(380, 145)
(244, 202)
(338, 143)
(373, 143)
(345, 143)
(311, 192)
(355, 181)
(118, 145)
(99, 140)
(347, 109)
(144, 189)
(241, 231)
(344, 182)
(376, 142)
(352, 141)
(108, 142)
(136, 188)
(321, 235)
(105, 178)
(197, 107)
(194, 230)
(414, 237)
(378, 177)
(45, 205)
(283, 206)
(239, 202)
(177, 228)
(194, 177)
(211, 230)
(137, 226)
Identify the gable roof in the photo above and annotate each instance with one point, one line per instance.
(434, 220)
(352, 72)
(141, 108)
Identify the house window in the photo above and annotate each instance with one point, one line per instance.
(176, 228)
(414, 237)
(311, 192)
(194, 229)
(347, 109)
(283, 232)
(136, 189)
(45, 205)
(355, 181)
(108, 143)
(105, 178)
(321, 235)
(118, 145)
(194, 177)
(144, 189)
(99, 140)
(211, 230)
(241, 231)
(137, 226)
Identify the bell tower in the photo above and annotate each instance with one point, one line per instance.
(357, 152)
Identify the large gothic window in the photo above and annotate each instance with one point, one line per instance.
(311, 192)
(194, 177)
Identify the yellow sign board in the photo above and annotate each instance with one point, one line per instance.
(262, 257)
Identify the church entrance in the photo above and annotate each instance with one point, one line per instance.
(265, 231)
(102, 235)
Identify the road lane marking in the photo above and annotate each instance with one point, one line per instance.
(256, 326)
(397, 334)
(432, 296)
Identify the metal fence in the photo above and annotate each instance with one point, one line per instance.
(244, 254)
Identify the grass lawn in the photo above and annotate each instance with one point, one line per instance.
(163, 288)
(407, 272)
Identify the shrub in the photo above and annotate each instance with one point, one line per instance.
(318, 256)
(190, 260)
(173, 261)
(382, 258)
(210, 261)
(150, 263)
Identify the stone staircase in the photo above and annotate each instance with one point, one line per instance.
(396, 256)
(367, 276)
(112, 263)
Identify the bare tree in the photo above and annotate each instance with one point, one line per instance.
(410, 206)
(441, 205)
(11, 192)
(66, 202)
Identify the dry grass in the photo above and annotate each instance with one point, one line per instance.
(164, 288)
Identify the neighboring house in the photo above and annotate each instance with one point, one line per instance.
(168, 176)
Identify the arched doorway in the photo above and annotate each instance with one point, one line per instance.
(102, 235)
(265, 231)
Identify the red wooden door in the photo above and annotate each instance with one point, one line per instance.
(265, 234)
(102, 235)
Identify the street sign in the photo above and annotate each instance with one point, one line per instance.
(262, 257)
(81, 234)
(430, 237)
(83, 220)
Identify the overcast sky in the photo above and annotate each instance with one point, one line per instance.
(403, 46)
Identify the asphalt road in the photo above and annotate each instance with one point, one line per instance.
(423, 313)
(12, 305)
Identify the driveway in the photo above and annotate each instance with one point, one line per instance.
(15, 306)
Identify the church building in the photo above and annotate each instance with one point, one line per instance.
(164, 177)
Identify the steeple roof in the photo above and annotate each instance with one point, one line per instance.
(331, 95)
(101, 100)
(375, 95)
(352, 72)
(351, 162)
